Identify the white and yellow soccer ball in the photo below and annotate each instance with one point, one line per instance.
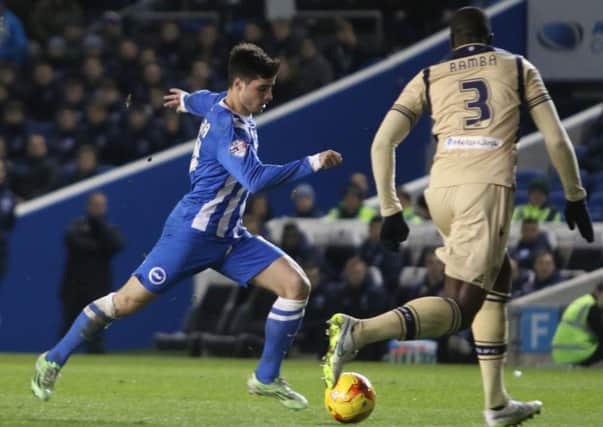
(352, 399)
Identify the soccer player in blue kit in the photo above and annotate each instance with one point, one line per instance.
(205, 229)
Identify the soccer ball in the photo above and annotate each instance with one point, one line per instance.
(352, 399)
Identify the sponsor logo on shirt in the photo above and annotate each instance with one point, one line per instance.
(471, 143)
(238, 148)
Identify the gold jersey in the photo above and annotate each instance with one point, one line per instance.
(474, 98)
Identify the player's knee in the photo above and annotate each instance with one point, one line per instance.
(298, 287)
(125, 304)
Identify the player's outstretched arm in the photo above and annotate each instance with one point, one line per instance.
(197, 103)
(242, 162)
(393, 130)
(563, 157)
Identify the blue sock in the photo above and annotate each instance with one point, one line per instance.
(284, 320)
(83, 328)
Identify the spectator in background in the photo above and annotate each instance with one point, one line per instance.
(73, 94)
(408, 210)
(91, 243)
(352, 206)
(531, 242)
(287, 84)
(13, 40)
(108, 94)
(259, 206)
(93, 72)
(64, 140)
(545, 271)
(7, 217)
(360, 180)
(358, 295)
(346, 52)
(85, 165)
(208, 46)
(43, 95)
(374, 254)
(432, 284)
(93, 46)
(521, 279)
(538, 207)
(319, 308)
(314, 69)
(137, 139)
(37, 173)
(176, 128)
(592, 139)
(168, 45)
(578, 339)
(96, 128)
(254, 33)
(127, 71)
(61, 11)
(12, 80)
(295, 243)
(303, 199)
(283, 41)
(111, 28)
(15, 129)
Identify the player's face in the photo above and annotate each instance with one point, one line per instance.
(256, 93)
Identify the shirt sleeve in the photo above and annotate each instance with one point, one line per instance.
(413, 99)
(240, 159)
(200, 102)
(397, 123)
(535, 91)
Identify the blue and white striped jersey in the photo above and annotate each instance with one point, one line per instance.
(225, 167)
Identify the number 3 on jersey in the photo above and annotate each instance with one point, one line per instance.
(203, 129)
(478, 104)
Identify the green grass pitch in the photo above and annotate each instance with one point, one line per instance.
(157, 390)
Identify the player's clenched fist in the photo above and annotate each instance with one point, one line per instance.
(174, 100)
(329, 159)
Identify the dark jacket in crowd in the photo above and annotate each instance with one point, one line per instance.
(91, 243)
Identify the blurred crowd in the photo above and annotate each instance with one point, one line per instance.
(82, 92)
(367, 279)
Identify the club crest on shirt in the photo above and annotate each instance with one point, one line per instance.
(238, 148)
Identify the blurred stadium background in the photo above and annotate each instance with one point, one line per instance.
(81, 88)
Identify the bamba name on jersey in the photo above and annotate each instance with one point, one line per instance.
(473, 62)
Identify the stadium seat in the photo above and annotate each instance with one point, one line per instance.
(596, 200)
(524, 177)
(557, 199)
(580, 150)
(585, 258)
(596, 182)
(412, 276)
(521, 197)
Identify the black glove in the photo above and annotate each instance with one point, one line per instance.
(393, 231)
(576, 213)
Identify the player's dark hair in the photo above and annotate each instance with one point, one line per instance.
(470, 25)
(248, 62)
(599, 287)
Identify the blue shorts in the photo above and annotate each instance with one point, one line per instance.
(182, 252)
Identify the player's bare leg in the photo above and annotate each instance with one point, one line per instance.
(94, 318)
(286, 279)
(428, 317)
(490, 330)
